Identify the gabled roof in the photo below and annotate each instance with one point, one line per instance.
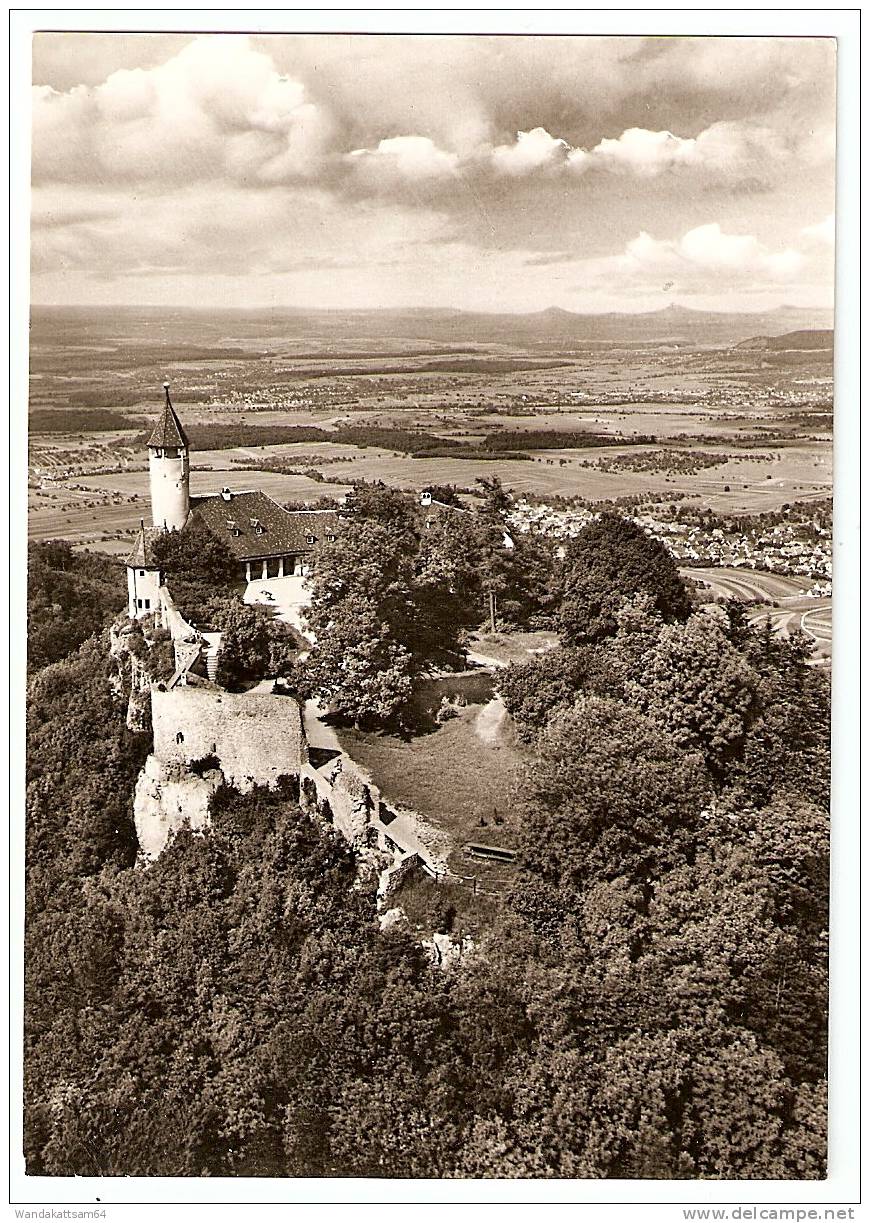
(142, 556)
(253, 526)
(168, 430)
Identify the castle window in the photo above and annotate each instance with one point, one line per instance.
(139, 604)
(141, 573)
(146, 603)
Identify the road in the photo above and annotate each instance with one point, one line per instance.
(787, 604)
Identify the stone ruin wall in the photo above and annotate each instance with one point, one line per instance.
(250, 740)
(167, 798)
(256, 738)
(340, 795)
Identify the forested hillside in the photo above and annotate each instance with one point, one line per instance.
(70, 595)
(648, 1001)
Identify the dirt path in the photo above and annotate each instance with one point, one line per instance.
(488, 723)
(317, 732)
(482, 660)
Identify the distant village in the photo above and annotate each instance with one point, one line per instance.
(782, 548)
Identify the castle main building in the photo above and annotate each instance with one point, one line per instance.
(266, 540)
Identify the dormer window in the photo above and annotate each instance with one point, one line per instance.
(226, 495)
(331, 537)
(258, 526)
(310, 539)
(233, 527)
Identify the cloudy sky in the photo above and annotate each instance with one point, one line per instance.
(475, 172)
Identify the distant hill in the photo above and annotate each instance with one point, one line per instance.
(563, 329)
(820, 338)
(552, 330)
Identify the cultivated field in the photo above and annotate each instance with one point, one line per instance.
(787, 604)
(452, 377)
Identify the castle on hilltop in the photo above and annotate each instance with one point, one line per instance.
(265, 540)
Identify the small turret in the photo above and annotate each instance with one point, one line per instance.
(169, 468)
(143, 577)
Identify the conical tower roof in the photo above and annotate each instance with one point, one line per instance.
(168, 431)
(141, 557)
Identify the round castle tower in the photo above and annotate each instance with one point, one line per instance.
(169, 469)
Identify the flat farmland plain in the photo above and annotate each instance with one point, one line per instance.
(631, 419)
(92, 505)
(451, 376)
(112, 503)
(739, 486)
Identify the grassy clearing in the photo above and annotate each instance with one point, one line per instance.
(445, 907)
(512, 647)
(460, 783)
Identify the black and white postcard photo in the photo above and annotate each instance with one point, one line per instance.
(434, 492)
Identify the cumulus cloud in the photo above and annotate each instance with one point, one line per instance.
(707, 249)
(731, 151)
(216, 108)
(532, 150)
(402, 158)
(645, 152)
(823, 231)
(243, 156)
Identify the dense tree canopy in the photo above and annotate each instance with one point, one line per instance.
(396, 594)
(610, 560)
(648, 999)
(70, 595)
(700, 688)
(610, 795)
(197, 566)
(253, 643)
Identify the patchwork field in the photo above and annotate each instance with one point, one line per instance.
(676, 378)
(785, 600)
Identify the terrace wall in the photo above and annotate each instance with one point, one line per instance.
(476, 687)
(343, 796)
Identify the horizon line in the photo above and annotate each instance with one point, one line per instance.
(214, 309)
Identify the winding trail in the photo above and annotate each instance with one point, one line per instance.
(489, 722)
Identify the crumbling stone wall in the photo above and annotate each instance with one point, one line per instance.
(255, 738)
(167, 798)
(341, 793)
(342, 796)
(173, 620)
(392, 878)
(399, 830)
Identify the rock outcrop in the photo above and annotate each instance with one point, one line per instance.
(169, 797)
